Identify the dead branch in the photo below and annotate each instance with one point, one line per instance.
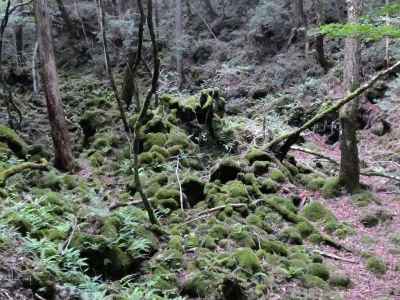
(180, 185)
(333, 256)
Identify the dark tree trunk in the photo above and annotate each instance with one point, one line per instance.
(59, 131)
(349, 164)
(19, 36)
(319, 40)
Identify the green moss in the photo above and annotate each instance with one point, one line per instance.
(218, 231)
(169, 203)
(154, 139)
(175, 243)
(269, 186)
(305, 229)
(316, 183)
(340, 280)
(319, 270)
(235, 189)
(331, 187)
(257, 155)
(110, 227)
(70, 182)
(283, 202)
(192, 240)
(178, 138)
(274, 247)
(277, 175)
(291, 235)
(311, 281)
(226, 170)
(315, 238)
(174, 150)
(52, 181)
(316, 212)
(197, 285)
(14, 142)
(96, 159)
(376, 265)
(209, 243)
(363, 198)
(247, 260)
(254, 220)
(164, 152)
(153, 158)
(242, 236)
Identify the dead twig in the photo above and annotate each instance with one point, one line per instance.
(333, 256)
(180, 185)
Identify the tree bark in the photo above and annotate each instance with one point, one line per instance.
(319, 41)
(67, 20)
(19, 36)
(210, 9)
(178, 39)
(349, 175)
(59, 131)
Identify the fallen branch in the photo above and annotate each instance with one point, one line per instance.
(4, 175)
(333, 256)
(295, 134)
(372, 173)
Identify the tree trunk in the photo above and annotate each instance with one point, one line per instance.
(341, 10)
(349, 164)
(178, 39)
(67, 20)
(319, 41)
(3, 26)
(301, 24)
(19, 35)
(59, 131)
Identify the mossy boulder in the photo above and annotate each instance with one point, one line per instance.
(151, 158)
(376, 265)
(248, 260)
(311, 281)
(277, 175)
(226, 170)
(90, 122)
(340, 280)
(319, 270)
(317, 212)
(274, 247)
(14, 142)
(154, 139)
(260, 167)
(291, 235)
(305, 229)
(269, 186)
(313, 182)
(235, 189)
(96, 159)
(257, 155)
(218, 231)
(331, 187)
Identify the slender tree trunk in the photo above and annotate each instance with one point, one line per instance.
(3, 26)
(129, 86)
(319, 40)
(301, 23)
(19, 36)
(67, 20)
(349, 163)
(59, 131)
(178, 39)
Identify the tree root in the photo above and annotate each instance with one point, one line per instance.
(4, 175)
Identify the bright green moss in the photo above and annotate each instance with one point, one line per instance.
(70, 182)
(319, 270)
(178, 138)
(277, 175)
(242, 236)
(254, 220)
(311, 281)
(261, 167)
(274, 247)
(305, 229)
(209, 243)
(14, 142)
(269, 186)
(96, 159)
(316, 212)
(153, 158)
(175, 243)
(247, 260)
(376, 265)
(197, 285)
(218, 231)
(315, 183)
(257, 155)
(235, 189)
(164, 152)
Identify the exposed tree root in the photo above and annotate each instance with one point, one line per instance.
(4, 175)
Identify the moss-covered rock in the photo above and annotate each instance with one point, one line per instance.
(291, 235)
(277, 175)
(218, 231)
(154, 139)
(269, 186)
(274, 247)
(257, 155)
(340, 280)
(260, 167)
(311, 281)
(331, 187)
(235, 189)
(14, 142)
(305, 229)
(376, 265)
(151, 158)
(225, 170)
(196, 285)
(319, 270)
(247, 260)
(96, 159)
(316, 212)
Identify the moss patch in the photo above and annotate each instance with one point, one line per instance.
(376, 265)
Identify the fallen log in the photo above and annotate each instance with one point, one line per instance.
(5, 174)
